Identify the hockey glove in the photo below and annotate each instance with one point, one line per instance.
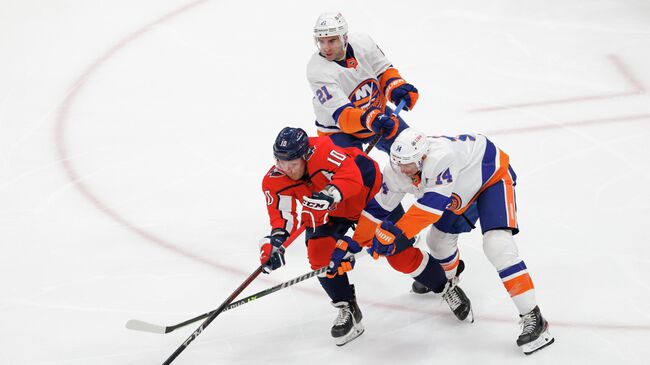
(380, 123)
(315, 208)
(406, 92)
(389, 240)
(342, 259)
(272, 251)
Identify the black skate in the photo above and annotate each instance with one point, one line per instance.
(534, 334)
(418, 288)
(347, 325)
(458, 301)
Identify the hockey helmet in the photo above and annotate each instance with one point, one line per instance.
(290, 144)
(409, 147)
(331, 24)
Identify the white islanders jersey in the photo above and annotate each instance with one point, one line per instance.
(454, 172)
(335, 86)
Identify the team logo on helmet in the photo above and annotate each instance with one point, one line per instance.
(416, 140)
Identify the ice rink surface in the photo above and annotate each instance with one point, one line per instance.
(134, 136)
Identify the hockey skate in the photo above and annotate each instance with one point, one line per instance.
(347, 325)
(418, 288)
(458, 301)
(534, 334)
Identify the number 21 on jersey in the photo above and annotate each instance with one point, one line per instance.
(323, 95)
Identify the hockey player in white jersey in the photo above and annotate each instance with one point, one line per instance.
(352, 80)
(456, 181)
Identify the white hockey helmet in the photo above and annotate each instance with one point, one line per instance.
(331, 24)
(409, 147)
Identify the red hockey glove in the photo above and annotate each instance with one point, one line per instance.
(272, 251)
(315, 208)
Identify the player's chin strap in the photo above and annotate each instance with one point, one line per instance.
(374, 141)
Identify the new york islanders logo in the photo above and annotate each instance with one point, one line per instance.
(367, 94)
(456, 202)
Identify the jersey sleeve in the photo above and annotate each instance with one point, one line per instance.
(391, 193)
(378, 61)
(439, 179)
(281, 194)
(329, 99)
(379, 207)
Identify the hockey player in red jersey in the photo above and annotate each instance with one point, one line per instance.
(352, 81)
(333, 185)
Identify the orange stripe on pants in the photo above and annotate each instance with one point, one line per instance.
(510, 200)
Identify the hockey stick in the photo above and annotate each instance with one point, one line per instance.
(374, 141)
(138, 325)
(228, 300)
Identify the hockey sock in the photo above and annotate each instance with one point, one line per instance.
(450, 264)
(432, 276)
(520, 286)
(337, 288)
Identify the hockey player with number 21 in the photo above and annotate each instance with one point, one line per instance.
(456, 181)
(333, 184)
(352, 81)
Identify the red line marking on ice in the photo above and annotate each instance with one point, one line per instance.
(76, 179)
(636, 89)
(536, 128)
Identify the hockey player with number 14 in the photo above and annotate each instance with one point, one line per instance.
(457, 181)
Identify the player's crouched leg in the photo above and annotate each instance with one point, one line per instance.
(424, 269)
(347, 325)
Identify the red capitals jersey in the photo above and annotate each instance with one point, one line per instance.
(351, 171)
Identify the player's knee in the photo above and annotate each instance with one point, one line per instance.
(441, 244)
(406, 261)
(319, 251)
(500, 248)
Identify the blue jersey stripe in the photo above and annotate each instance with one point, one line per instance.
(488, 165)
(448, 259)
(335, 128)
(376, 210)
(435, 200)
(368, 171)
(521, 266)
(337, 112)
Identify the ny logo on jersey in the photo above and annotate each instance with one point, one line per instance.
(366, 94)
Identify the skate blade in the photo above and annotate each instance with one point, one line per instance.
(356, 331)
(542, 341)
(470, 316)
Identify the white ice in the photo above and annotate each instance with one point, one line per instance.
(134, 135)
